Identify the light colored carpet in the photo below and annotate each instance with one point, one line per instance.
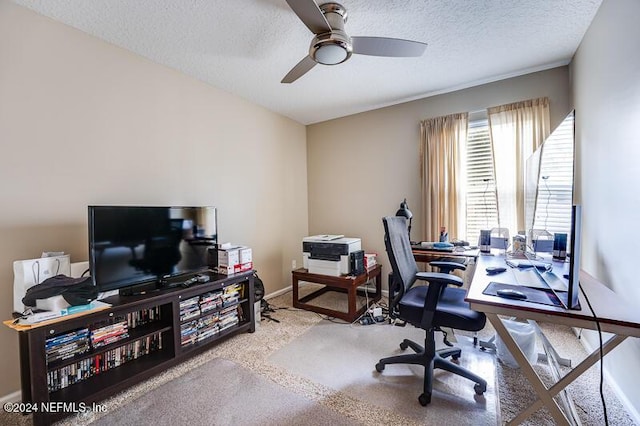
(252, 352)
(222, 392)
(343, 357)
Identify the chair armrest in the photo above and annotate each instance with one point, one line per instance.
(449, 266)
(440, 279)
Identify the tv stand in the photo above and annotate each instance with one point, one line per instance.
(161, 329)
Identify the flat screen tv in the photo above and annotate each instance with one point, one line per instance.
(137, 245)
(574, 265)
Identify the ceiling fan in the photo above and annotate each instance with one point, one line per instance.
(331, 44)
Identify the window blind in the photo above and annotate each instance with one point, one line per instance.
(481, 205)
(555, 186)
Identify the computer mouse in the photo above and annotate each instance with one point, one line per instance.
(492, 270)
(511, 294)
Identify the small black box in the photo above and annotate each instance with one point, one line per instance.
(559, 246)
(357, 262)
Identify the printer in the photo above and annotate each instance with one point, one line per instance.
(329, 255)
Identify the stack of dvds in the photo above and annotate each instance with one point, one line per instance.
(189, 308)
(228, 317)
(68, 345)
(189, 333)
(109, 333)
(143, 316)
(210, 301)
(62, 377)
(207, 326)
(65, 376)
(231, 294)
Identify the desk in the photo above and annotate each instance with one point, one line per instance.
(615, 316)
(468, 257)
(346, 284)
(427, 255)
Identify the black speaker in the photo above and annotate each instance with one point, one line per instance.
(485, 241)
(560, 246)
(357, 262)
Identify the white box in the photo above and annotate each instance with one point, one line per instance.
(370, 260)
(245, 255)
(225, 269)
(243, 267)
(229, 256)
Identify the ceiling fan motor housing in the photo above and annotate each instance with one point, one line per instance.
(333, 47)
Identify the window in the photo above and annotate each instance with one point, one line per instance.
(555, 186)
(481, 205)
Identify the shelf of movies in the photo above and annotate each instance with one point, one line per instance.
(79, 354)
(208, 314)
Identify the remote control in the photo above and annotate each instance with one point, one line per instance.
(190, 281)
(202, 278)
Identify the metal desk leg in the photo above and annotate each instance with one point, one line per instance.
(527, 369)
(546, 395)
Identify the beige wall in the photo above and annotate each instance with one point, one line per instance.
(361, 167)
(606, 93)
(83, 122)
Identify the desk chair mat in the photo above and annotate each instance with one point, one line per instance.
(534, 295)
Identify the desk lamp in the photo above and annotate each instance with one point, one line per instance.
(404, 211)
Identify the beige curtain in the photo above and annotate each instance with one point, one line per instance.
(517, 130)
(441, 146)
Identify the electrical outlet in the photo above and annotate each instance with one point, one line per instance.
(294, 264)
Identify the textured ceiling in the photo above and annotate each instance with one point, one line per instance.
(247, 46)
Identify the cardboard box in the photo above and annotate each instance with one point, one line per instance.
(234, 269)
(370, 260)
(225, 270)
(245, 255)
(243, 267)
(229, 256)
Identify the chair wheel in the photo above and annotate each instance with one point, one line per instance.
(379, 367)
(424, 399)
(403, 345)
(455, 357)
(480, 389)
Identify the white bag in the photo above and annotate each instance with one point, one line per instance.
(525, 336)
(27, 273)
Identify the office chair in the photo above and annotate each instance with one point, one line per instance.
(428, 307)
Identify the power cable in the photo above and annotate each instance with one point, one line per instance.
(597, 321)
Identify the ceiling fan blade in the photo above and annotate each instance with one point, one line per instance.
(299, 70)
(310, 15)
(383, 46)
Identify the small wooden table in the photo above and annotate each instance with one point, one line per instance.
(345, 284)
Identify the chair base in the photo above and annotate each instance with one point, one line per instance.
(431, 359)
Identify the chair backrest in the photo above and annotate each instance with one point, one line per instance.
(403, 264)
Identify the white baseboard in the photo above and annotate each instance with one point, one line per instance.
(12, 397)
(278, 292)
(635, 415)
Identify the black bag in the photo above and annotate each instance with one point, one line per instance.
(258, 289)
(76, 291)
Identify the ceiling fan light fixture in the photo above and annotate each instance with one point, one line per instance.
(331, 54)
(330, 49)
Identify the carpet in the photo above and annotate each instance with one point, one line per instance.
(343, 357)
(221, 392)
